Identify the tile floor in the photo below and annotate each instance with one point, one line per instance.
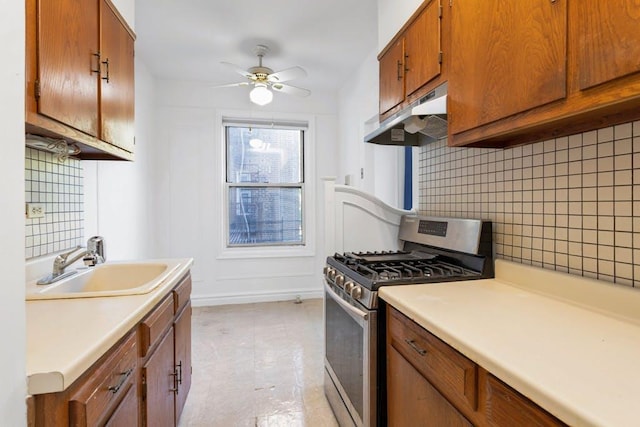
(258, 365)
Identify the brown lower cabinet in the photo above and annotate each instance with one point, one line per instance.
(418, 402)
(143, 380)
(429, 383)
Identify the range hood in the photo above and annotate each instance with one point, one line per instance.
(426, 116)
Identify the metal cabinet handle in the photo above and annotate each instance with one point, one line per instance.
(174, 374)
(399, 70)
(96, 69)
(413, 345)
(123, 378)
(406, 63)
(180, 372)
(106, 66)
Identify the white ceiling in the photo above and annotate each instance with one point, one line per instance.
(187, 39)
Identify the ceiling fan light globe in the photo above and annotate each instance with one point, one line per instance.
(261, 95)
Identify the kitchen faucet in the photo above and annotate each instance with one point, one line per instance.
(92, 255)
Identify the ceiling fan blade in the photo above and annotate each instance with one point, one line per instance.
(237, 69)
(290, 90)
(233, 84)
(287, 74)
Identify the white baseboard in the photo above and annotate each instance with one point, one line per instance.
(289, 295)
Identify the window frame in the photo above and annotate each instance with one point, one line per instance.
(308, 217)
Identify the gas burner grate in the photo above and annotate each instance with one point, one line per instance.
(409, 270)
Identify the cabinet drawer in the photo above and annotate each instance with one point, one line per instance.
(153, 326)
(503, 406)
(106, 386)
(449, 371)
(182, 293)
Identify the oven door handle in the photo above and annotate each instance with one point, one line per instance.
(353, 311)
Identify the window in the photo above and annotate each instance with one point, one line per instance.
(265, 185)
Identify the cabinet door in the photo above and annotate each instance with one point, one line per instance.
(392, 77)
(68, 44)
(117, 77)
(422, 46)
(608, 40)
(182, 334)
(126, 414)
(507, 57)
(159, 377)
(413, 401)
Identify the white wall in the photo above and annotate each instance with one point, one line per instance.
(189, 205)
(392, 14)
(382, 166)
(127, 10)
(119, 195)
(12, 315)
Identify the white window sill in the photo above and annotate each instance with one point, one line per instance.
(266, 252)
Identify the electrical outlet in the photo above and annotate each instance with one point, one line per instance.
(35, 210)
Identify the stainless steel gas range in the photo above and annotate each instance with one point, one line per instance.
(434, 250)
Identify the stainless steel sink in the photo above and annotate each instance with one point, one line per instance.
(104, 280)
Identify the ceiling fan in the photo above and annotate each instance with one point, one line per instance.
(263, 78)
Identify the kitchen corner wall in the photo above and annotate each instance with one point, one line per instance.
(570, 204)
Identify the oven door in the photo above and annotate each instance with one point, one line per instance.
(350, 358)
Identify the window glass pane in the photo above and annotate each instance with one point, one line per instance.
(264, 155)
(265, 215)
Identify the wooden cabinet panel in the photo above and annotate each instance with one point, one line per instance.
(155, 324)
(159, 380)
(392, 77)
(506, 407)
(608, 40)
(117, 91)
(453, 374)
(182, 336)
(413, 401)
(423, 48)
(507, 57)
(67, 48)
(182, 294)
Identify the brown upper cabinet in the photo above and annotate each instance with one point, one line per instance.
(531, 70)
(609, 43)
(412, 59)
(80, 76)
(392, 77)
(509, 57)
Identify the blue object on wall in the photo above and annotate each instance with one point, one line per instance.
(408, 178)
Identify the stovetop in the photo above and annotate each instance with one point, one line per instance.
(385, 268)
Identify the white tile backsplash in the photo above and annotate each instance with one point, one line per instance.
(59, 186)
(565, 204)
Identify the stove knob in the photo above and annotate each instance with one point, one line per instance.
(348, 286)
(340, 280)
(356, 292)
(331, 273)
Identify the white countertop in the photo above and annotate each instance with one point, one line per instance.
(570, 344)
(66, 336)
